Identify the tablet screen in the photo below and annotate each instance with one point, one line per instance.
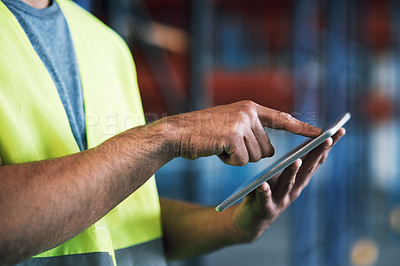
(252, 183)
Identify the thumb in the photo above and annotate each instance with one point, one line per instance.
(264, 196)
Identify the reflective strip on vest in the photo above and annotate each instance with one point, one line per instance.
(99, 258)
(34, 126)
(148, 254)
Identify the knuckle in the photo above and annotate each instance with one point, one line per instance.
(234, 130)
(252, 114)
(270, 151)
(244, 113)
(305, 125)
(310, 170)
(240, 119)
(290, 185)
(267, 149)
(285, 117)
(267, 194)
(241, 161)
(286, 201)
(248, 103)
(248, 109)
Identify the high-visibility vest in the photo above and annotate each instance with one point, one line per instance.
(34, 126)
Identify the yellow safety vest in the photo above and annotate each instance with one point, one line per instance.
(34, 126)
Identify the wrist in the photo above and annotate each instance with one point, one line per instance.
(170, 129)
(248, 225)
(153, 141)
(235, 231)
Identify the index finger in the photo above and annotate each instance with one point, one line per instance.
(281, 120)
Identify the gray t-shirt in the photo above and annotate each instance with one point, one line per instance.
(49, 34)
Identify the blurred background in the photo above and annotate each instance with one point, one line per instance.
(313, 58)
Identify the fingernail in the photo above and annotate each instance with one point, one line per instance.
(300, 162)
(315, 130)
(297, 164)
(262, 188)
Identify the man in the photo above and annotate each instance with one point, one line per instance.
(76, 184)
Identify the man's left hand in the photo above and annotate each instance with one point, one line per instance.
(261, 207)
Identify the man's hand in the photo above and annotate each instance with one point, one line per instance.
(191, 230)
(260, 208)
(234, 132)
(39, 196)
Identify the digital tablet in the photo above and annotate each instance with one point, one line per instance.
(278, 166)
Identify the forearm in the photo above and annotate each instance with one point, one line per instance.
(45, 203)
(191, 230)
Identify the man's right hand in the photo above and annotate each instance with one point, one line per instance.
(38, 197)
(233, 132)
